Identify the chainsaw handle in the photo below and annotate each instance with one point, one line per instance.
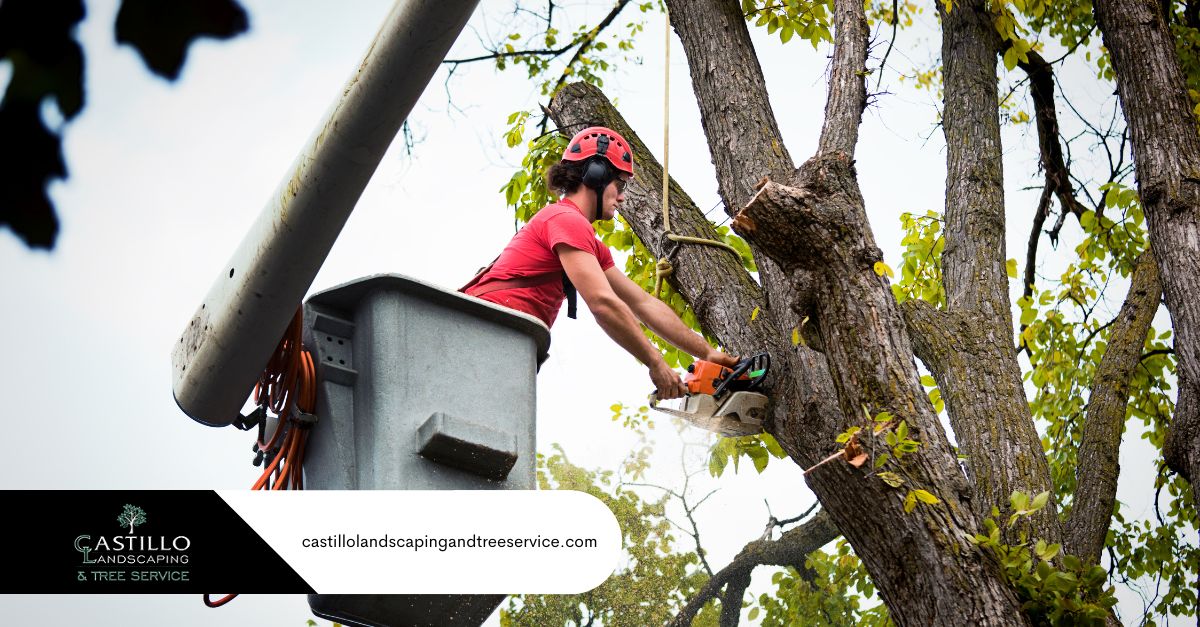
(742, 367)
(655, 400)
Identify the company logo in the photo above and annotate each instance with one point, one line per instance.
(131, 557)
(133, 516)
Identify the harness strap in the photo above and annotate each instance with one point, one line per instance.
(521, 282)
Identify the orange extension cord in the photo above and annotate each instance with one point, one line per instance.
(288, 382)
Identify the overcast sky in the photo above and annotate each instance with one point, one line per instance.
(165, 179)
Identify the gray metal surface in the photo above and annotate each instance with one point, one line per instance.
(393, 353)
(232, 334)
(419, 388)
(426, 610)
(468, 446)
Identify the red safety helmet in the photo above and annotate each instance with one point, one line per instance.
(597, 140)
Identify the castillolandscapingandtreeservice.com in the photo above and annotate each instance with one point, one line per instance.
(346, 541)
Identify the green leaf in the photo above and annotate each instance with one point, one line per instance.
(845, 436)
(1019, 500)
(1010, 59)
(910, 502)
(1048, 552)
(892, 479)
(754, 314)
(882, 268)
(926, 497)
(716, 465)
(928, 381)
(1011, 267)
(1039, 501)
(773, 446)
(760, 458)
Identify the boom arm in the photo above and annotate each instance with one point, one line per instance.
(232, 334)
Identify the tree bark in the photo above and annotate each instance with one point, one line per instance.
(812, 224)
(1097, 470)
(995, 430)
(924, 569)
(932, 574)
(739, 114)
(1166, 156)
(720, 292)
(790, 549)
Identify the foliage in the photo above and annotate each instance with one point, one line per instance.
(888, 455)
(1070, 593)
(1065, 339)
(654, 581)
(759, 448)
(37, 39)
(132, 516)
(833, 590)
(921, 270)
(809, 19)
(1063, 323)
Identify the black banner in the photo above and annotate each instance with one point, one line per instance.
(136, 541)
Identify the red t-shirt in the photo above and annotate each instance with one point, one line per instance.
(531, 253)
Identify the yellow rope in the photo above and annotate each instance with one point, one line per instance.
(666, 119)
(663, 268)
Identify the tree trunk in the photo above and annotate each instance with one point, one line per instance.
(1166, 155)
(924, 568)
(969, 347)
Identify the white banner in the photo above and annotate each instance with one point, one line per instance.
(437, 541)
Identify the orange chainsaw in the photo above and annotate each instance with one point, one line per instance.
(724, 400)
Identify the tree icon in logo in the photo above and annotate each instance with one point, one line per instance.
(132, 515)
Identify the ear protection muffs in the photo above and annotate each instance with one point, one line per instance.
(597, 174)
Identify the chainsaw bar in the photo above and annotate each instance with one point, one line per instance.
(739, 415)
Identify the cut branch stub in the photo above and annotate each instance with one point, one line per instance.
(801, 225)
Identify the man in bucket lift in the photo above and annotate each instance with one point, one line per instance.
(557, 253)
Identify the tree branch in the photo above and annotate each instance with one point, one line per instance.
(588, 40)
(688, 510)
(1058, 179)
(743, 138)
(891, 42)
(790, 549)
(582, 43)
(719, 290)
(713, 282)
(1097, 469)
(731, 599)
(1166, 152)
(847, 81)
(996, 429)
(1041, 88)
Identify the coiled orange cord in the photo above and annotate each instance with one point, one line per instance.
(288, 383)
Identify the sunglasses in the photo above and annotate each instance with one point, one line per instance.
(621, 184)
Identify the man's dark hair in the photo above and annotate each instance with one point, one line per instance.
(565, 176)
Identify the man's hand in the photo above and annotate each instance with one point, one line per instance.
(667, 382)
(717, 357)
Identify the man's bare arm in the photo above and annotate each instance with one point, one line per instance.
(662, 319)
(616, 318)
